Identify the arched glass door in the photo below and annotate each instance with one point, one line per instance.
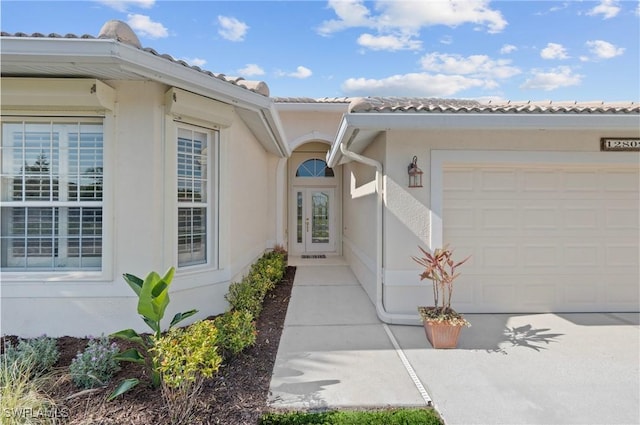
(314, 219)
(314, 204)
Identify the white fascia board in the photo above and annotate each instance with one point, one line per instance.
(344, 135)
(476, 121)
(133, 61)
(494, 121)
(273, 118)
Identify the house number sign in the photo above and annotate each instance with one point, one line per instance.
(620, 144)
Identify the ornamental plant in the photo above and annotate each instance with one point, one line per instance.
(96, 365)
(236, 331)
(184, 358)
(441, 269)
(153, 299)
(24, 390)
(38, 355)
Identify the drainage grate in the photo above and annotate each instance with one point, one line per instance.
(314, 256)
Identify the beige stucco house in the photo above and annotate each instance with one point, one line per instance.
(116, 159)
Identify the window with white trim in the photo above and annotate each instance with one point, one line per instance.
(196, 195)
(51, 190)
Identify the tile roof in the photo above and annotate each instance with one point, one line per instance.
(259, 87)
(434, 105)
(338, 100)
(374, 104)
(430, 105)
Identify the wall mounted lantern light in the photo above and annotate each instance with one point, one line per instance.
(415, 173)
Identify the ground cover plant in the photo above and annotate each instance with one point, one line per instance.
(383, 417)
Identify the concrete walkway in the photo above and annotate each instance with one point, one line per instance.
(508, 369)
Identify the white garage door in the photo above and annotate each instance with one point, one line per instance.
(555, 238)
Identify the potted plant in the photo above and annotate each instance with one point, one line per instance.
(442, 324)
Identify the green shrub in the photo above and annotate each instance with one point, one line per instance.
(249, 293)
(96, 365)
(384, 417)
(236, 331)
(271, 266)
(245, 295)
(184, 358)
(36, 355)
(153, 299)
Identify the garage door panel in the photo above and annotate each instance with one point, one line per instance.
(621, 218)
(587, 291)
(622, 255)
(544, 238)
(540, 256)
(505, 217)
(540, 217)
(581, 255)
(621, 291)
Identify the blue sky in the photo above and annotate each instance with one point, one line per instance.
(508, 50)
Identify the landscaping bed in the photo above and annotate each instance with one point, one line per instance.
(236, 395)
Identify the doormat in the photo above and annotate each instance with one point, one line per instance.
(314, 256)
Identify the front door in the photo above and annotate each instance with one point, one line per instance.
(314, 219)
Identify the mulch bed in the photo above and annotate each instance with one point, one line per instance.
(237, 395)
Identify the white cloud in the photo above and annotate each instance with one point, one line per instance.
(195, 61)
(414, 84)
(554, 51)
(562, 76)
(301, 72)
(408, 17)
(508, 48)
(388, 42)
(123, 5)
(144, 26)
(250, 70)
(232, 29)
(607, 8)
(603, 49)
(479, 66)
(351, 13)
(446, 39)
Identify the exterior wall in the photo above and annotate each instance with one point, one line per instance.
(250, 188)
(407, 220)
(140, 209)
(301, 127)
(359, 217)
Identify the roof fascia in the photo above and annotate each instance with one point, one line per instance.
(354, 122)
(147, 66)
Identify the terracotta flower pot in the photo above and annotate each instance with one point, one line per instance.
(442, 334)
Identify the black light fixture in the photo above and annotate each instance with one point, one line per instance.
(415, 173)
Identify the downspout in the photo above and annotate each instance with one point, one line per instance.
(386, 317)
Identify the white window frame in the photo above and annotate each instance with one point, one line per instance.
(212, 204)
(101, 272)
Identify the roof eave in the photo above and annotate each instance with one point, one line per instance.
(363, 127)
(132, 61)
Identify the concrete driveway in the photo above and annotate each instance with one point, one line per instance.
(508, 369)
(534, 369)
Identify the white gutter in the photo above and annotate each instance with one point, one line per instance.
(383, 314)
